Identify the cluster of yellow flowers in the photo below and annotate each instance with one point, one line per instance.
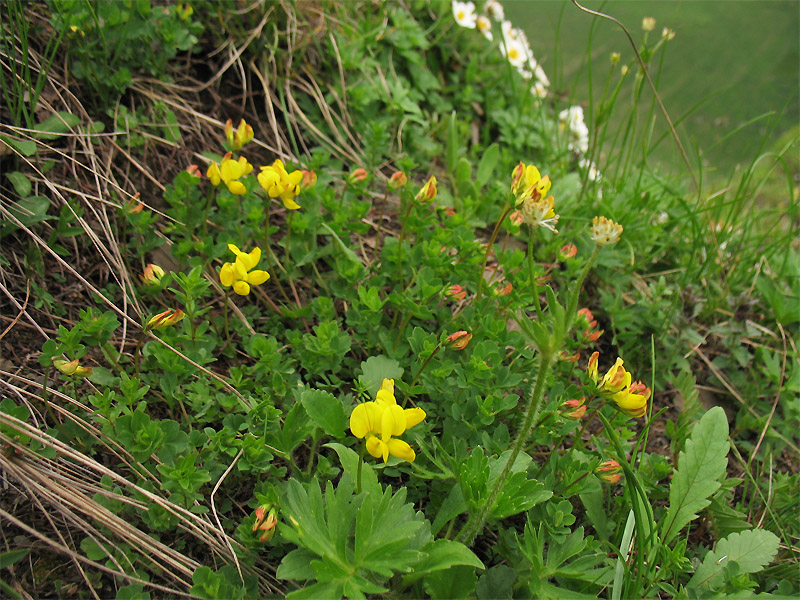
(530, 192)
(381, 421)
(631, 398)
(274, 179)
(240, 273)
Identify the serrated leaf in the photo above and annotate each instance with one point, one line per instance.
(56, 125)
(22, 185)
(752, 550)
(377, 368)
(519, 494)
(325, 411)
(701, 467)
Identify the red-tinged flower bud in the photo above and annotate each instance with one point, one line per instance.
(517, 175)
(574, 409)
(543, 279)
(357, 175)
(516, 218)
(566, 357)
(397, 180)
(266, 520)
(609, 471)
(585, 319)
(165, 319)
(504, 290)
(134, 206)
(449, 211)
(194, 170)
(152, 274)
(456, 292)
(427, 192)
(309, 179)
(229, 132)
(590, 336)
(458, 340)
(567, 251)
(72, 368)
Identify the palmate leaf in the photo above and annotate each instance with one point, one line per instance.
(751, 550)
(701, 467)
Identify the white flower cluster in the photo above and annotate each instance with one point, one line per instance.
(514, 46)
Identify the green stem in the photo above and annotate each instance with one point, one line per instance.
(227, 323)
(360, 463)
(476, 523)
(406, 214)
(506, 210)
(575, 292)
(425, 364)
(532, 271)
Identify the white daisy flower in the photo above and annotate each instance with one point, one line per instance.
(539, 90)
(464, 14)
(484, 25)
(494, 8)
(515, 51)
(594, 173)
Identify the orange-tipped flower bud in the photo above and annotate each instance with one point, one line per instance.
(427, 192)
(456, 292)
(503, 290)
(357, 175)
(194, 170)
(574, 409)
(397, 180)
(165, 319)
(609, 471)
(458, 340)
(567, 251)
(309, 179)
(152, 274)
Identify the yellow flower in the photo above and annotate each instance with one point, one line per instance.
(240, 273)
(279, 183)
(242, 135)
(427, 192)
(229, 171)
(630, 398)
(381, 421)
(527, 182)
(605, 231)
(152, 274)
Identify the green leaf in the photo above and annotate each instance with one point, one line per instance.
(443, 554)
(458, 582)
(487, 165)
(347, 252)
(9, 558)
(325, 410)
(701, 467)
(377, 368)
(296, 566)
(56, 125)
(752, 550)
(28, 211)
(349, 460)
(24, 147)
(22, 184)
(452, 506)
(496, 583)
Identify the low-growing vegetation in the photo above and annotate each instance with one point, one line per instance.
(329, 300)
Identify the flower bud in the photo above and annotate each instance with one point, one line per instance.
(165, 319)
(574, 409)
(504, 290)
(357, 175)
(152, 274)
(427, 192)
(309, 179)
(458, 340)
(265, 522)
(566, 357)
(609, 471)
(397, 180)
(134, 206)
(615, 57)
(567, 251)
(516, 218)
(456, 292)
(194, 170)
(667, 34)
(72, 368)
(648, 24)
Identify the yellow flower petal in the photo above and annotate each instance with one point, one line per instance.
(226, 275)
(257, 277)
(241, 287)
(236, 187)
(414, 416)
(401, 449)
